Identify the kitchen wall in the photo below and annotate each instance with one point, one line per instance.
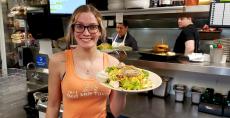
(147, 37)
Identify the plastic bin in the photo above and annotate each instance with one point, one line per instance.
(196, 94)
(164, 89)
(180, 91)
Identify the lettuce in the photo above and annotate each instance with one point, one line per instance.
(131, 84)
(127, 83)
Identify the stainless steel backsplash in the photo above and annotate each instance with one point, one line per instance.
(147, 37)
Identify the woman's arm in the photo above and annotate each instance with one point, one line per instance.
(54, 88)
(117, 102)
(117, 99)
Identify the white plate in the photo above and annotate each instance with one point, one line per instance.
(156, 80)
(126, 48)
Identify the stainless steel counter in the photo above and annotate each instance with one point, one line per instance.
(37, 81)
(34, 87)
(204, 67)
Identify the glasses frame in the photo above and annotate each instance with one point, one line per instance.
(85, 27)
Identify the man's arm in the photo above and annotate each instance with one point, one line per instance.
(189, 47)
(133, 43)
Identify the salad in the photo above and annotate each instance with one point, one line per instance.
(128, 77)
(105, 46)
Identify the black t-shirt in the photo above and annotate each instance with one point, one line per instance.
(187, 33)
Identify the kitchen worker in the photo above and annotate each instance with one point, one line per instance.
(123, 37)
(188, 40)
(72, 73)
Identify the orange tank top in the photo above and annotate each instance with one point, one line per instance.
(83, 98)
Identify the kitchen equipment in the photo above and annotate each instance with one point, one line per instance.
(153, 3)
(218, 99)
(210, 108)
(226, 47)
(178, 2)
(115, 4)
(99, 4)
(196, 94)
(211, 103)
(204, 35)
(43, 97)
(204, 2)
(228, 97)
(191, 2)
(227, 106)
(25, 55)
(164, 89)
(207, 96)
(216, 55)
(165, 3)
(41, 107)
(180, 91)
(216, 107)
(130, 4)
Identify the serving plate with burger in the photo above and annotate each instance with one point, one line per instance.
(159, 52)
(163, 50)
(128, 78)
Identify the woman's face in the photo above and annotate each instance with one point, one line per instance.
(86, 30)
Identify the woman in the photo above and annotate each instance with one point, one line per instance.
(72, 73)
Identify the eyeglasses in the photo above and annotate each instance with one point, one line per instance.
(79, 28)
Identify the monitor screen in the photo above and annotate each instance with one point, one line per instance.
(45, 26)
(64, 6)
(42, 61)
(219, 15)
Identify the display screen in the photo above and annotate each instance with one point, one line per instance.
(45, 26)
(65, 6)
(220, 15)
(42, 61)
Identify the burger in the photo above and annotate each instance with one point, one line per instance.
(161, 48)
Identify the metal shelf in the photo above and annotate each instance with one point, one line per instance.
(198, 8)
(35, 10)
(159, 10)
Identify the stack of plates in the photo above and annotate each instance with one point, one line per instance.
(115, 4)
(226, 45)
(131, 4)
(13, 94)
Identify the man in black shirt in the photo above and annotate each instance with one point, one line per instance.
(123, 37)
(188, 40)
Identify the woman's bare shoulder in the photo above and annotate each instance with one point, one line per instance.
(57, 63)
(58, 59)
